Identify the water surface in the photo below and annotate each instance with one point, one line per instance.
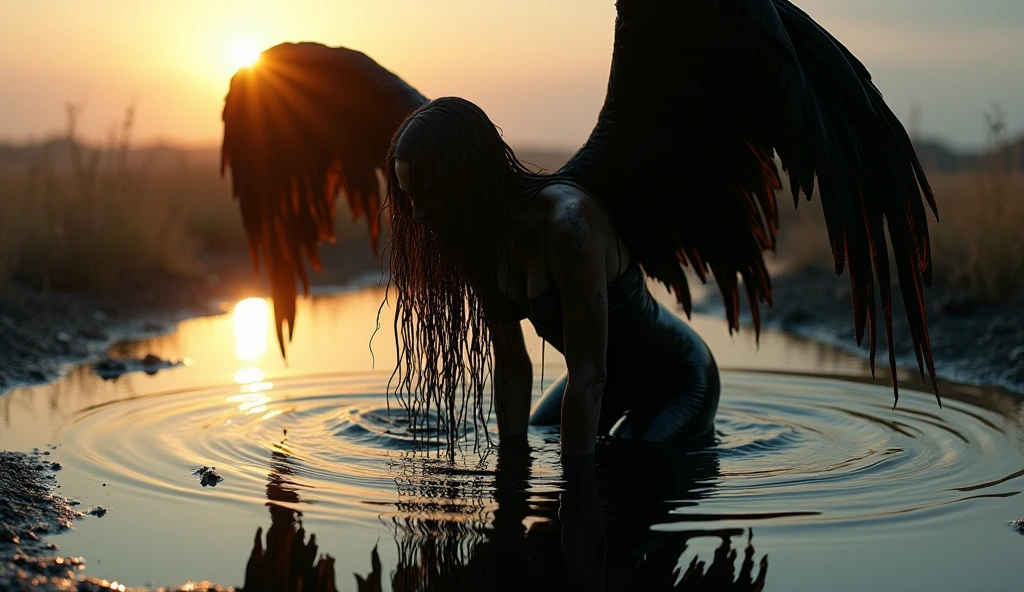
(840, 491)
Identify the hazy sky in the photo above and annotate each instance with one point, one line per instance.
(538, 67)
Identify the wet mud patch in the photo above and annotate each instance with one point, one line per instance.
(974, 342)
(30, 509)
(111, 369)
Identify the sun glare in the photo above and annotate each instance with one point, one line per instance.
(250, 322)
(244, 53)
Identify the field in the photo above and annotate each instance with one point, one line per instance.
(79, 218)
(977, 246)
(74, 217)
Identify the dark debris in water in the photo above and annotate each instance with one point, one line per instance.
(208, 476)
(98, 511)
(111, 369)
(1017, 525)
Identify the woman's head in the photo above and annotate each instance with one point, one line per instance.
(448, 168)
(448, 164)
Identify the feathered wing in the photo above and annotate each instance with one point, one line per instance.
(702, 94)
(304, 123)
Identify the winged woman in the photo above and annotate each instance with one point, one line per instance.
(679, 172)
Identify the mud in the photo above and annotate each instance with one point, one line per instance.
(974, 342)
(111, 369)
(30, 509)
(43, 332)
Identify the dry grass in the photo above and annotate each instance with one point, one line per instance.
(80, 218)
(89, 225)
(94, 218)
(977, 246)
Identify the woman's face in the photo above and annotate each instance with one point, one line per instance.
(423, 204)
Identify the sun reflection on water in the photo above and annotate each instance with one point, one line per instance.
(250, 319)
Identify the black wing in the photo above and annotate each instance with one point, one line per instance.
(304, 123)
(702, 94)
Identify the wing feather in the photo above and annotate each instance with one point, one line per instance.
(758, 78)
(303, 124)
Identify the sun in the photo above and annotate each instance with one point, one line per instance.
(244, 53)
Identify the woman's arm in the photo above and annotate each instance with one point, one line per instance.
(578, 250)
(513, 378)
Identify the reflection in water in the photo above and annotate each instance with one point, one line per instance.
(289, 563)
(249, 319)
(481, 530)
(589, 534)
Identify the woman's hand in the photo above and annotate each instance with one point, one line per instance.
(584, 526)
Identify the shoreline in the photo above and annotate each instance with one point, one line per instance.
(973, 342)
(45, 333)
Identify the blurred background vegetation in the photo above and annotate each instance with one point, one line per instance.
(76, 215)
(978, 245)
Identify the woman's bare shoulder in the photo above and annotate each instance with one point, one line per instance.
(573, 211)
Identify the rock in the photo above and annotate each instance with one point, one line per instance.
(153, 327)
(109, 369)
(93, 334)
(797, 316)
(957, 305)
(110, 365)
(98, 511)
(151, 360)
(208, 477)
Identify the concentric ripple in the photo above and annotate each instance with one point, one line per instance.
(791, 449)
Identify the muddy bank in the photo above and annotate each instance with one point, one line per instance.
(30, 509)
(42, 332)
(974, 342)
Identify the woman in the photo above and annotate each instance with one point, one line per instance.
(703, 99)
(470, 218)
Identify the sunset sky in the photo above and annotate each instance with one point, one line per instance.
(539, 68)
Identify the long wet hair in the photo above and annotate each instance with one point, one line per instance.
(445, 282)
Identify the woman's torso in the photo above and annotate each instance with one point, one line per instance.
(646, 341)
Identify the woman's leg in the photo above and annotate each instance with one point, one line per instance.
(548, 410)
(683, 412)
